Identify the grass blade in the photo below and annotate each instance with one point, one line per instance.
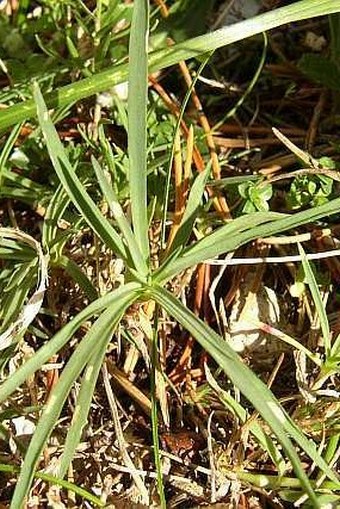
(154, 412)
(12, 383)
(169, 56)
(137, 111)
(122, 222)
(59, 482)
(71, 182)
(54, 213)
(254, 427)
(214, 244)
(252, 388)
(84, 399)
(76, 273)
(190, 213)
(172, 153)
(233, 235)
(319, 306)
(31, 308)
(240, 31)
(7, 148)
(96, 339)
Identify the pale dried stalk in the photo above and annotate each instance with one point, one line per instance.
(143, 491)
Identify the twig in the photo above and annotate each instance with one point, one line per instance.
(273, 259)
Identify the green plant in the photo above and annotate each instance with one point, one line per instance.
(256, 196)
(165, 57)
(309, 190)
(130, 243)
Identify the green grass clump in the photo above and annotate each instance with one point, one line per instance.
(100, 191)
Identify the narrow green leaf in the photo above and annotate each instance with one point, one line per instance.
(191, 211)
(334, 29)
(319, 306)
(335, 353)
(228, 238)
(83, 403)
(263, 439)
(253, 389)
(122, 222)
(154, 410)
(59, 482)
(214, 244)
(71, 182)
(137, 111)
(13, 250)
(75, 272)
(242, 30)
(8, 146)
(26, 183)
(54, 213)
(231, 181)
(266, 481)
(12, 383)
(97, 338)
(250, 86)
(185, 101)
(172, 55)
